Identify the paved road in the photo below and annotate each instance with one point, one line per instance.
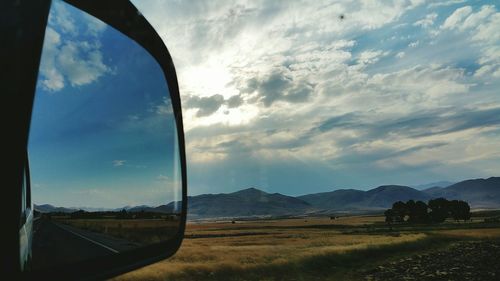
(55, 244)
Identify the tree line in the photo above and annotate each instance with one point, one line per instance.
(435, 211)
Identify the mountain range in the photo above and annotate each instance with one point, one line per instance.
(167, 209)
(252, 202)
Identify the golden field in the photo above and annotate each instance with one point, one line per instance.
(299, 249)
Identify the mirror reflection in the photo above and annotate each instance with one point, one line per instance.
(103, 155)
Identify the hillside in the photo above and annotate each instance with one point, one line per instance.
(247, 202)
(480, 193)
(381, 197)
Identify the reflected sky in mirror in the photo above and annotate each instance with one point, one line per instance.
(102, 133)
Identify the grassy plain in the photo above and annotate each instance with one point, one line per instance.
(302, 249)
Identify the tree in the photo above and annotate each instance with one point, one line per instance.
(389, 216)
(417, 212)
(400, 211)
(459, 210)
(439, 209)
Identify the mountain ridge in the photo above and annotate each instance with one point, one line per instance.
(253, 202)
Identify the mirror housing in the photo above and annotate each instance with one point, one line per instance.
(23, 30)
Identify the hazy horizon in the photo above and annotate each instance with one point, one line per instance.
(244, 188)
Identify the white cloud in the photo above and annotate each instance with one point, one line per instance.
(80, 63)
(426, 22)
(118, 163)
(257, 53)
(164, 108)
(162, 178)
(488, 30)
(371, 56)
(474, 19)
(60, 16)
(51, 78)
(66, 57)
(445, 3)
(414, 44)
(455, 19)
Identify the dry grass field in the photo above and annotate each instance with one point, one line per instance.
(299, 249)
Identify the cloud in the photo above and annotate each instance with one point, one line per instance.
(51, 78)
(279, 86)
(426, 22)
(445, 3)
(164, 108)
(414, 44)
(80, 63)
(454, 20)
(67, 58)
(371, 56)
(373, 140)
(162, 178)
(270, 87)
(118, 163)
(479, 26)
(205, 105)
(60, 16)
(474, 19)
(234, 101)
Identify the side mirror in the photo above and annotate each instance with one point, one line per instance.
(105, 191)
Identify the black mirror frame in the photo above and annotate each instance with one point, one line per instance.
(23, 25)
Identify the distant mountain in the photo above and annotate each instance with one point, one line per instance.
(167, 209)
(433, 191)
(432, 185)
(381, 197)
(139, 208)
(92, 209)
(245, 203)
(337, 199)
(47, 208)
(384, 196)
(480, 193)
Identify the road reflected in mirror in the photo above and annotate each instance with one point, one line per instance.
(104, 173)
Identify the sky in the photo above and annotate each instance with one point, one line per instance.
(307, 96)
(294, 97)
(102, 133)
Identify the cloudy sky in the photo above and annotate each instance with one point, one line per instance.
(306, 96)
(299, 97)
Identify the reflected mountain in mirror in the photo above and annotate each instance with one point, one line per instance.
(103, 152)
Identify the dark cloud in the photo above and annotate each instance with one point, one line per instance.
(350, 156)
(274, 87)
(424, 124)
(467, 120)
(209, 105)
(234, 101)
(206, 105)
(279, 86)
(347, 120)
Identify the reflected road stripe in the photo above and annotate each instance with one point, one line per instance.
(88, 239)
